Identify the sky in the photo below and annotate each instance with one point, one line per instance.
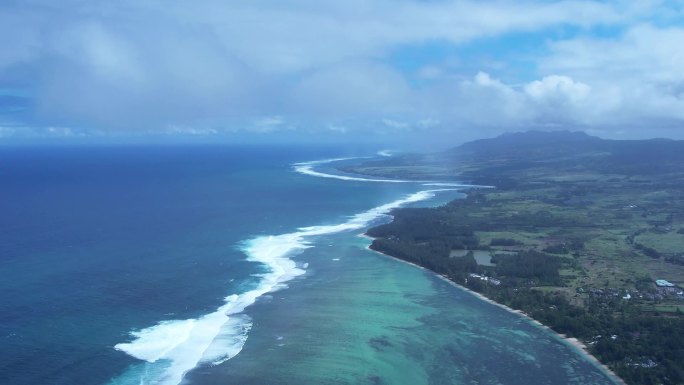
(423, 71)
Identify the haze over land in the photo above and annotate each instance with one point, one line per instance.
(391, 71)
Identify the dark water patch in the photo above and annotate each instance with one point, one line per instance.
(380, 343)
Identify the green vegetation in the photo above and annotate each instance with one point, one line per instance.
(578, 233)
(641, 348)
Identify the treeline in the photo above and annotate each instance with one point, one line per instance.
(650, 252)
(426, 225)
(429, 255)
(426, 236)
(530, 265)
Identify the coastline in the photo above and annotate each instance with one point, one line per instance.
(574, 342)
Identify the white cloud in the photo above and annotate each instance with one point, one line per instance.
(260, 65)
(42, 132)
(489, 102)
(61, 132)
(299, 35)
(183, 130)
(137, 64)
(634, 77)
(6, 132)
(268, 124)
(427, 123)
(558, 88)
(337, 128)
(431, 72)
(351, 89)
(644, 52)
(391, 123)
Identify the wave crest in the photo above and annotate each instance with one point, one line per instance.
(171, 348)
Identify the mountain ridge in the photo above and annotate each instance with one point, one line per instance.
(538, 155)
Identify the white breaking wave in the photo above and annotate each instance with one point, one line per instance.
(460, 185)
(173, 347)
(385, 153)
(307, 169)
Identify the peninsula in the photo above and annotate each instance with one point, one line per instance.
(582, 234)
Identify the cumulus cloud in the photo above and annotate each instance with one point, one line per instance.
(557, 88)
(486, 101)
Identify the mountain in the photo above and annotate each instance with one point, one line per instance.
(570, 152)
(531, 143)
(536, 155)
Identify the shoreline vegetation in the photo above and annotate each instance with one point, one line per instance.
(579, 229)
(581, 347)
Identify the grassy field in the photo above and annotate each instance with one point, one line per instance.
(615, 217)
(670, 242)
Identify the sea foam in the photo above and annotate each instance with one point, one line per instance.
(307, 168)
(171, 348)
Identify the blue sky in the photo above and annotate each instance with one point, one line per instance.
(339, 70)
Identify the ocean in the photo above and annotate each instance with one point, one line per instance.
(236, 265)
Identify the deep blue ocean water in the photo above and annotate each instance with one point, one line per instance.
(97, 243)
